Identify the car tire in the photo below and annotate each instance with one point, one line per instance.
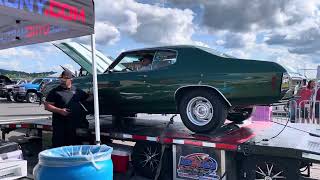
(202, 111)
(240, 116)
(10, 97)
(18, 98)
(146, 158)
(32, 97)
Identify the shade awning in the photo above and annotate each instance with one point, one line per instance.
(26, 22)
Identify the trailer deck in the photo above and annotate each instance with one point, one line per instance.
(247, 138)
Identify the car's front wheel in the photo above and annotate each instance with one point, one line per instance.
(202, 111)
(32, 97)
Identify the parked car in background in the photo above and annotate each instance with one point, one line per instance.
(4, 80)
(8, 89)
(29, 91)
(204, 86)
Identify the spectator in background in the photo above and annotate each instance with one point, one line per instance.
(317, 108)
(305, 95)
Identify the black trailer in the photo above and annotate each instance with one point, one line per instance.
(167, 150)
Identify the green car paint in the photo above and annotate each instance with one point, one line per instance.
(241, 83)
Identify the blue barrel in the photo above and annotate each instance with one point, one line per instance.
(87, 162)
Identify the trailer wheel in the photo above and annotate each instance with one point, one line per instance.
(269, 168)
(202, 111)
(146, 158)
(240, 116)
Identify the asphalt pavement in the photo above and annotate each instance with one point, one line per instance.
(11, 111)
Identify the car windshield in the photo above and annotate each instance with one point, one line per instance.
(215, 52)
(130, 61)
(36, 81)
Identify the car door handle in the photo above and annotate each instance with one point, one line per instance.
(144, 75)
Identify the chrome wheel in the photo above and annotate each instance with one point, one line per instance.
(200, 111)
(150, 159)
(32, 97)
(268, 172)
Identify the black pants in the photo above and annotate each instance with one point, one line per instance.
(64, 133)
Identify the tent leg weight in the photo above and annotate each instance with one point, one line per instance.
(267, 167)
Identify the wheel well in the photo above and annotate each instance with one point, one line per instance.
(180, 92)
(31, 90)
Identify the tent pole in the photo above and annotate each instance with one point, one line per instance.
(95, 90)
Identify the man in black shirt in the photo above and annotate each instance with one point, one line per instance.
(64, 102)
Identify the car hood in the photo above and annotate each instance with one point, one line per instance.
(81, 54)
(9, 86)
(5, 80)
(29, 85)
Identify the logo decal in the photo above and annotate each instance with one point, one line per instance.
(198, 166)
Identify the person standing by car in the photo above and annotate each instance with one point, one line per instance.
(64, 102)
(305, 95)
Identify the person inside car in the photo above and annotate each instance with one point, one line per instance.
(146, 62)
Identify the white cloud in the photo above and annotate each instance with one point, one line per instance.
(220, 42)
(105, 32)
(231, 40)
(10, 65)
(21, 51)
(147, 23)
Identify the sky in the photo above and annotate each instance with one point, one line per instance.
(282, 31)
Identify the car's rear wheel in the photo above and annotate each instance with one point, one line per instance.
(240, 115)
(202, 111)
(32, 97)
(10, 97)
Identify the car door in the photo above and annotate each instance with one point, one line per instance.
(161, 83)
(122, 92)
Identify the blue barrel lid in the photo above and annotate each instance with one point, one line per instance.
(75, 155)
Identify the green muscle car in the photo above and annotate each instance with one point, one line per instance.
(204, 86)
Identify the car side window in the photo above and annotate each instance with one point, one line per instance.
(164, 58)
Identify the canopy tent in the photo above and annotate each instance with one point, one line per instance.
(24, 22)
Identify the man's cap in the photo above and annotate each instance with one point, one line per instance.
(66, 74)
(146, 56)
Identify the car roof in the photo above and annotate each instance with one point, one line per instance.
(183, 47)
(174, 47)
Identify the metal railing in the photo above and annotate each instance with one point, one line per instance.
(305, 112)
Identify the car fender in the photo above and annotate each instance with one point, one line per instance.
(206, 86)
(31, 90)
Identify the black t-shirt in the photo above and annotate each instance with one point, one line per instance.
(70, 99)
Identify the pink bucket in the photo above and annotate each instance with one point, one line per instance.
(261, 113)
